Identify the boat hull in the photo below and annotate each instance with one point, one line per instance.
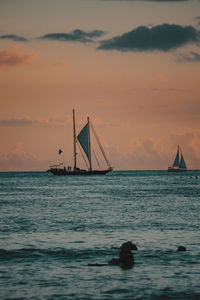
(63, 172)
(177, 170)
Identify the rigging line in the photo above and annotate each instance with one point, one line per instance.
(96, 158)
(82, 155)
(104, 155)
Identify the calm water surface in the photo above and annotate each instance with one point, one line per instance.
(52, 227)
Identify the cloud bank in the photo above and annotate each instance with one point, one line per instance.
(18, 159)
(76, 35)
(17, 122)
(13, 57)
(54, 121)
(13, 37)
(150, 153)
(164, 37)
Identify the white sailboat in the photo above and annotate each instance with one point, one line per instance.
(83, 140)
(179, 164)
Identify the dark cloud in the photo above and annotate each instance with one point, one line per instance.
(13, 37)
(76, 35)
(164, 37)
(191, 57)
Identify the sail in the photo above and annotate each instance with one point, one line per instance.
(182, 163)
(83, 139)
(176, 161)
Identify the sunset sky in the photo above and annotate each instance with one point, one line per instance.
(132, 66)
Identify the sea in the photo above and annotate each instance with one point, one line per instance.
(53, 227)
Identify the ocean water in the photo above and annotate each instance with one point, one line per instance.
(52, 227)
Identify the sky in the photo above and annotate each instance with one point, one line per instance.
(132, 66)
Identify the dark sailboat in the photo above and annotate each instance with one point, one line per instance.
(179, 164)
(83, 140)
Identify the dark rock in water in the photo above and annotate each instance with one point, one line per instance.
(134, 247)
(126, 259)
(181, 248)
(128, 246)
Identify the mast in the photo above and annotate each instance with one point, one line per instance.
(74, 137)
(89, 144)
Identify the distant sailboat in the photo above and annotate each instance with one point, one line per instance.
(179, 164)
(83, 140)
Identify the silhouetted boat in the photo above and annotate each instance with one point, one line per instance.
(179, 164)
(83, 139)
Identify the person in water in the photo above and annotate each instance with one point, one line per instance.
(126, 258)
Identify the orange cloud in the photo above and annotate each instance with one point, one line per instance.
(159, 78)
(13, 57)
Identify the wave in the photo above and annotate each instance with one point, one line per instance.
(58, 253)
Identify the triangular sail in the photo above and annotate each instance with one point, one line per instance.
(83, 139)
(182, 162)
(176, 161)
